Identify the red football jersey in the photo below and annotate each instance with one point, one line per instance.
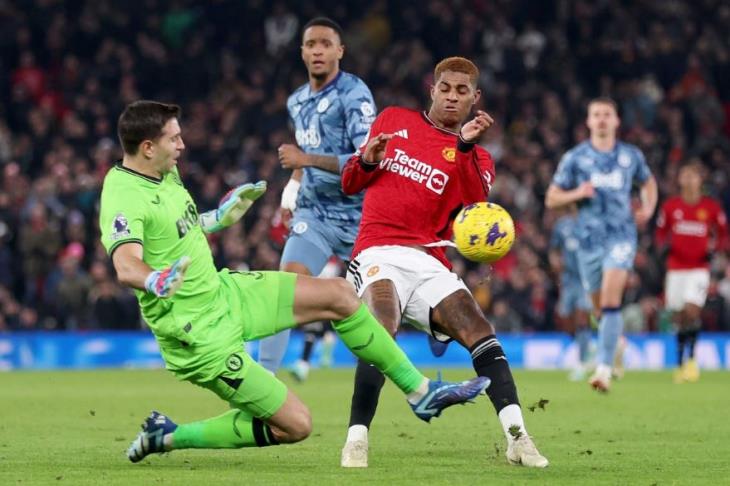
(688, 228)
(414, 193)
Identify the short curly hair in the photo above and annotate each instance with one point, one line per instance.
(457, 65)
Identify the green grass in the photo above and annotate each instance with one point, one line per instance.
(73, 428)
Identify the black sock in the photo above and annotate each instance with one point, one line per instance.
(691, 341)
(368, 382)
(681, 341)
(309, 339)
(489, 360)
(262, 433)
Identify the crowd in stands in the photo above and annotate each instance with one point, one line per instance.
(67, 69)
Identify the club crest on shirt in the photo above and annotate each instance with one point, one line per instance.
(373, 271)
(702, 214)
(120, 227)
(624, 160)
(449, 153)
(300, 227)
(323, 104)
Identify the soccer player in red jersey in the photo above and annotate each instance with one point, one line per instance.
(418, 169)
(685, 226)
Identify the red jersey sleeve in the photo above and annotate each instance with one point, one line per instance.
(662, 225)
(475, 172)
(356, 174)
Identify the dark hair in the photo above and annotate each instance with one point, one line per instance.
(324, 22)
(143, 120)
(457, 65)
(605, 100)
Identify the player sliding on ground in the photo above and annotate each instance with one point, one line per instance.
(151, 228)
(418, 170)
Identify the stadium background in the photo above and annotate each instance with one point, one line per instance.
(68, 68)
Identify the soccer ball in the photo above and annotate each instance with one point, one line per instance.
(484, 232)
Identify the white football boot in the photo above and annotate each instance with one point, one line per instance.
(522, 451)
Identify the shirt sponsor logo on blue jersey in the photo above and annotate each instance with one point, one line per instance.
(308, 137)
(610, 180)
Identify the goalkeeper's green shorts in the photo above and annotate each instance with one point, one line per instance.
(258, 304)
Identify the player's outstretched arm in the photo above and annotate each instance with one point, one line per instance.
(232, 207)
(557, 197)
(292, 157)
(649, 195)
(133, 272)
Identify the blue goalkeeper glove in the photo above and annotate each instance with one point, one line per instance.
(164, 283)
(232, 207)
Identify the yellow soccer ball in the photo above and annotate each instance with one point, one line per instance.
(484, 232)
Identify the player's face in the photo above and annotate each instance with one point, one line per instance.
(602, 119)
(690, 180)
(453, 96)
(322, 50)
(168, 147)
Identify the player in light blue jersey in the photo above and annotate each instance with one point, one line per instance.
(598, 175)
(331, 114)
(574, 305)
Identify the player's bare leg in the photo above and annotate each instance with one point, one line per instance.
(610, 327)
(292, 422)
(459, 316)
(335, 299)
(382, 300)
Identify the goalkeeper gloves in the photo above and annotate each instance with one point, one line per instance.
(289, 195)
(232, 207)
(164, 283)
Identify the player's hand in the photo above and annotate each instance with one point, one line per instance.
(375, 149)
(642, 216)
(232, 207)
(585, 190)
(164, 283)
(473, 130)
(291, 156)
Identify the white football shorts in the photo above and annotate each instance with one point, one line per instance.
(420, 280)
(686, 287)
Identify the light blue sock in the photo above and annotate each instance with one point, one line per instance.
(583, 338)
(272, 350)
(609, 330)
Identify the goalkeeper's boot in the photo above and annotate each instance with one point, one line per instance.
(151, 439)
(443, 394)
(691, 371)
(523, 451)
(300, 370)
(438, 348)
(601, 378)
(355, 454)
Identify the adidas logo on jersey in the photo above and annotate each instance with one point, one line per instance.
(402, 133)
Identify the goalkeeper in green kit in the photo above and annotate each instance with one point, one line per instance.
(152, 230)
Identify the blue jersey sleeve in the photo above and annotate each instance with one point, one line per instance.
(642, 172)
(359, 115)
(564, 176)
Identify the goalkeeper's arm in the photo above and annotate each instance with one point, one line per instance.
(232, 207)
(133, 272)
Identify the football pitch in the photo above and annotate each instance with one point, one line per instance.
(73, 428)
